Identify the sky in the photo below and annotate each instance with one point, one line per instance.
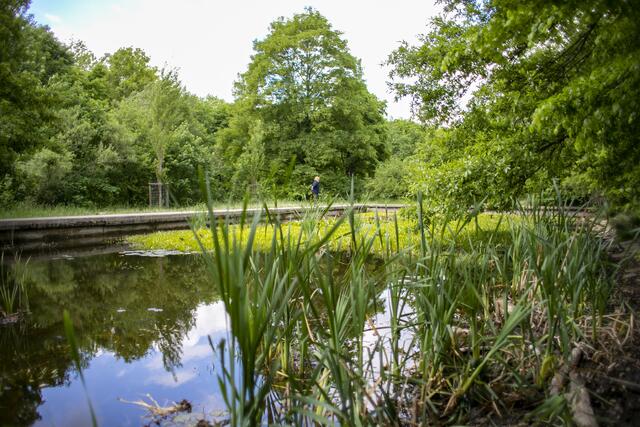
(211, 41)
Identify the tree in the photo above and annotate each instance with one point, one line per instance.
(404, 137)
(156, 112)
(391, 177)
(194, 147)
(82, 131)
(250, 164)
(174, 134)
(162, 98)
(307, 90)
(44, 173)
(29, 57)
(102, 165)
(390, 180)
(554, 92)
(128, 72)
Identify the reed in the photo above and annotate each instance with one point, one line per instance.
(474, 315)
(14, 296)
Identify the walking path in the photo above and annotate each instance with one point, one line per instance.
(29, 234)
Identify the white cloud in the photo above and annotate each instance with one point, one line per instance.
(210, 319)
(197, 352)
(166, 379)
(210, 42)
(117, 8)
(53, 18)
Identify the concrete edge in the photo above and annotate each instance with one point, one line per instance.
(40, 223)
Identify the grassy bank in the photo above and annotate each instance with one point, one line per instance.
(457, 322)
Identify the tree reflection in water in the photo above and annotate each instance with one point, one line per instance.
(109, 298)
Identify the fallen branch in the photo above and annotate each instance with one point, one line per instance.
(560, 378)
(578, 395)
(579, 402)
(160, 411)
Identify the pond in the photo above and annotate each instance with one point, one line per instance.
(142, 325)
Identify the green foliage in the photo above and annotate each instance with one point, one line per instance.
(94, 132)
(553, 92)
(484, 227)
(476, 311)
(29, 57)
(44, 174)
(391, 179)
(14, 296)
(129, 72)
(307, 90)
(113, 124)
(155, 113)
(250, 165)
(403, 136)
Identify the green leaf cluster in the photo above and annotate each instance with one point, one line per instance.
(525, 93)
(302, 106)
(83, 131)
(87, 131)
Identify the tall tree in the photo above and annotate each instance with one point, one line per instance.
(194, 147)
(392, 175)
(307, 89)
(554, 92)
(156, 112)
(77, 130)
(129, 72)
(29, 57)
(250, 165)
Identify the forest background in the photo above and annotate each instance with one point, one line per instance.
(508, 99)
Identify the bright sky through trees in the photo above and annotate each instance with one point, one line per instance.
(211, 41)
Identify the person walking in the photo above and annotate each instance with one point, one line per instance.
(315, 189)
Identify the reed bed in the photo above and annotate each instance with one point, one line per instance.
(363, 321)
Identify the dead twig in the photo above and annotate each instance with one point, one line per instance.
(160, 411)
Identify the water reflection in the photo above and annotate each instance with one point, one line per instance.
(142, 325)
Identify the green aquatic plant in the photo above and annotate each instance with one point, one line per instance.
(395, 233)
(477, 310)
(14, 297)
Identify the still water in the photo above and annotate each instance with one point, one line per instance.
(142, 324)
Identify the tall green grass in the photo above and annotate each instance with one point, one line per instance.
(476, 318)
(14, 296)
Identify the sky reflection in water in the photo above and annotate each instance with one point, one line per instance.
(109, 377)
(142, 326)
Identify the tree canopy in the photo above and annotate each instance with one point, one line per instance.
(305, 93)
(29, 57)
(511, 97)
(553, 92)
(79, 130)
(82, 130)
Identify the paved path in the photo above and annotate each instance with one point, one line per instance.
(85, 230)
